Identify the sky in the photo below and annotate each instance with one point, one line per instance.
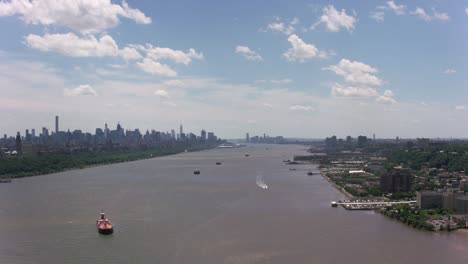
(306, 69)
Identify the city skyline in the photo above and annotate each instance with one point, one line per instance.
(297, 69)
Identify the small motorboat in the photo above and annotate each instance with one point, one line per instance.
(104, 225)
(310, 173)
(334, 204)
(218, 163)
(247, 155)
(196, 172)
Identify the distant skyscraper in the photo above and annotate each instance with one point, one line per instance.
(181, 130)
(173, 136)
(18, 142)
(56, 124)
(247, 137)
(203, 135)
(33, 132)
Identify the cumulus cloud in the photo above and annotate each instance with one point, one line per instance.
(339, 90)
(85, 89)
(335, 20)
(377, 16)
(85, 16)
(300, 108)
(422, 14)
(460, 107)
(387, 97)
(286, 28)
(355, 72)
(162, 93)
(177, 56)
(279, 81)
(397, 9)
(450, 71)
(72, 45)
(153, 67)
(301, 51)
(248, 54)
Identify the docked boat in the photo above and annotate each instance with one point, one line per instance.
(196, 172)
(104, 225)
(334, 204)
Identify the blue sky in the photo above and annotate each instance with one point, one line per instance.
(292, 68)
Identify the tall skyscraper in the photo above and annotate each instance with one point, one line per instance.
(33, 133)
(181, 130)
(173, 136)
(56, 124)
(203, 135)
(247, 138)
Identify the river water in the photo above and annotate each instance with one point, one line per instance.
(246, 210)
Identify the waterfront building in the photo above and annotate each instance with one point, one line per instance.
(448, 199)
(203, 135)
(397, 180)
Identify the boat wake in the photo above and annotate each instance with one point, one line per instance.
(260, 182)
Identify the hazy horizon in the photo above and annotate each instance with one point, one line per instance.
(296, 69)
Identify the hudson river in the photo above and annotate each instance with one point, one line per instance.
(246, 210)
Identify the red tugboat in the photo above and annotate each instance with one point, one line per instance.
(104, 225)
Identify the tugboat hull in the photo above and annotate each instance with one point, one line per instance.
(106, 231)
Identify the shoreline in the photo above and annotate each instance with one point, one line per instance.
(26, 175)
(337, 187)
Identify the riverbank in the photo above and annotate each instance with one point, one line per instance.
(339, 188)
(27, 166)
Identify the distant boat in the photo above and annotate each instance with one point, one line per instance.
(104, 225)
(186, 150)
(293, 169)
(196, 172)
(310, 173)
(247, 155)
(334, 204)
(218, 163)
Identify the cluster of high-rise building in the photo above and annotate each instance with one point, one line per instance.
(33, 143)
(264, 139)
(452, 199)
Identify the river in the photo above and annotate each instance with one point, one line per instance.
(246, 210)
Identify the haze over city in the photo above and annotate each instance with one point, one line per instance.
(290, 68)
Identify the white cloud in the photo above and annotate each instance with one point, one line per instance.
(150, 66)
(356, 72)
(128, 54)
(248, 54)
(85, 89)
(397, 9)
(85, 16)
(72, 45)
(177, 56)
(280, 27)
(279, 81)
(421, 13)
(335, 20)
(387, 97)
(162, 93)
(460, 107)
(450, 71)
(177, 83)
(300, 108)
(301, 51)
(339, 90)
(466, 10)
(377, 16)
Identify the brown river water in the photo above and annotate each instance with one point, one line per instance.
(246, 210)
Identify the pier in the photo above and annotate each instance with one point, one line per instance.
(369, 204)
